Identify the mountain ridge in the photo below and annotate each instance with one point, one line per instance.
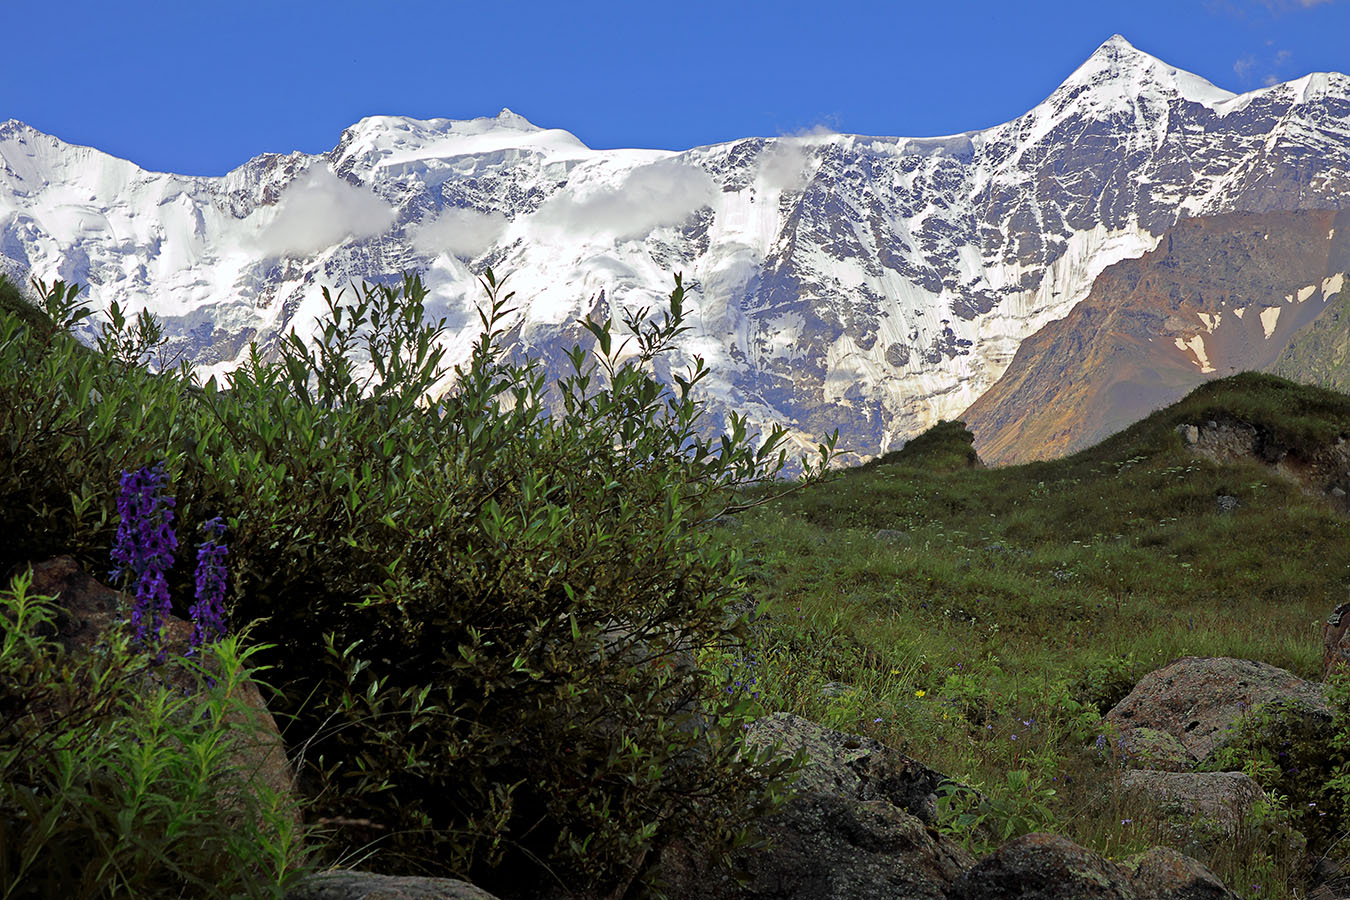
(870, 284)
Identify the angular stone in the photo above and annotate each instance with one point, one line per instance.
(1196, 700)
(860, 828)
(1165, 874)
(1336, 640)
(1045, 867)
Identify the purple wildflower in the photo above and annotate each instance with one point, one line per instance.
(208, 616)
(144, 551)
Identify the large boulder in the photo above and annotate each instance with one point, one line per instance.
(1044, 867)
(1199, 810)
(850, 765)
(86, 609)
(1049, 867)
(860, 828)
(1195, 700)
(1165, 874)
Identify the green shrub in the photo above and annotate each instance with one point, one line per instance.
(1295, 754)
(114, 784)
(484, 613)
(71, 420)
(1106, 681)
(945, 447)
(487, 609)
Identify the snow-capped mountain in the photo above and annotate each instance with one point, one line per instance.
(870, 284)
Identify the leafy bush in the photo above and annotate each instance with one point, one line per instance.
(491, 607)
(71, 420)
(1295, 754)
(485, 611)
(113, 783)
(944, 447)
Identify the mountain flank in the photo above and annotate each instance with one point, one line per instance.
(1220, 294)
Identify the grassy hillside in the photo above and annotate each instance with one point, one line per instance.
(980, 619)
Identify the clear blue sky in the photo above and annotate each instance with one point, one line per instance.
(200, 86)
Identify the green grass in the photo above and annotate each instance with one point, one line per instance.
(1027, 600)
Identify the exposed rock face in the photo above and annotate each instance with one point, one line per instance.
(1323, 473)
(1196, 699)
(1219, 294)
(870, 284)
(1336, 640)
(858, 831)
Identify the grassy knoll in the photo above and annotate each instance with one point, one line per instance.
(1006, 608)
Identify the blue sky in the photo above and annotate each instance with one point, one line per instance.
(199, 87)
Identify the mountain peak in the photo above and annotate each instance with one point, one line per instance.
(1118, 70)
(397, 140)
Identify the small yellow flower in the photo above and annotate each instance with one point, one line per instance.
(920, 693)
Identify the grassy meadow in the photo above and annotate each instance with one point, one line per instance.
(980, 620)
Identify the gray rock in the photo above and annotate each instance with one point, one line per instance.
(1336, 640)
(851, 765)
(1045, 867)
(891, 536)
(1199, 809)
(860, 828)
(1196, 700)
(353, 885)
(1165, 874)
(1189, 433)
(1149, 748)
(1227, 503)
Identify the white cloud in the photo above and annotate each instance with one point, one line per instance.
(316, 211)
(662, 193)
(460, 232)
(1270, 80)
(785, 164)
(1243, 67)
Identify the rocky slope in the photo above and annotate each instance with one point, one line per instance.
(870, 284)
(1220, 294)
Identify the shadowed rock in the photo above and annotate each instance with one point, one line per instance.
(860, 828)
(349, 885)
(1165, 874)
(1196, 700)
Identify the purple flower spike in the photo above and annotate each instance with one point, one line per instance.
(144, 550)
(208, 615)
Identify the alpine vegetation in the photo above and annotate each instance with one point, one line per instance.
(494, 622)
(208, 616)
(144, 550)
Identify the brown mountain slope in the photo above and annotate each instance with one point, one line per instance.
(1219, 295)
